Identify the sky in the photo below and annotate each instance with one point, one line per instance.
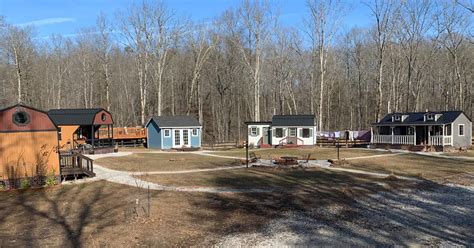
(66, 17)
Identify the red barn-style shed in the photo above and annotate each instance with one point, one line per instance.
(28, 145)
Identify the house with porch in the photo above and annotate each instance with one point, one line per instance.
(283, 130)
(440, 131)
(173, 132)
(79, 129)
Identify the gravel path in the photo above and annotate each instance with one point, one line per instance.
(442, 216)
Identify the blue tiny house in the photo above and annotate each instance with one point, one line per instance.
(173, 132)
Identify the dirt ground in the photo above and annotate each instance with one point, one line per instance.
(316, 206)
(164, 162)
(105, 214)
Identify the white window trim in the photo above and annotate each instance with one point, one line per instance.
(309, 133)
(463, 130)
(282, 132)
(253, 131)
(192, 132)
(293, 128)
(169, 133)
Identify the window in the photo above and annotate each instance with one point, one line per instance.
(194, 132)
(59, 133)
(447, 130)
(429, 117)
(292, 132)
(103, 117)
(279, 132)
(397, 118)
(21, 118)
(306, 133)
(186, 137)
(254, 131)
(167, 133)
(461, 129)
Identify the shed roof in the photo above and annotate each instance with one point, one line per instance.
(294, 120)
(174, 121)
(74, 116)
(418, 118)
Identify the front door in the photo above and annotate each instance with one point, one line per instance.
(177, 138)
(267, 135)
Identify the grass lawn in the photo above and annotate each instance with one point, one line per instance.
(104, 214)
(414, 165)
(164, 162)
(316, 152)
(468, 153)
(264, 178)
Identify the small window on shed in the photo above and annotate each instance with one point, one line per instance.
(430, 117)
(279, 132)
(461, 129)
(167, 133)
(194, 132)
(254, 131)
(103, 117)
(306, 133)
(21, 118)
(397, 117)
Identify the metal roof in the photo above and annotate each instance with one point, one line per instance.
(418, 118)
(294, 120)
(74, 116)
(174, 121)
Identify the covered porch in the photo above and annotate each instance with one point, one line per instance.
(418, 135)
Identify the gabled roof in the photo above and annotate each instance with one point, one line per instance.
(74, 116)
(174, 121)
(294, 120)
(418, 118)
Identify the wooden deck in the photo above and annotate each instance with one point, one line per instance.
(76, 164)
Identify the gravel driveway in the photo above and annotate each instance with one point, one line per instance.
(442, 215)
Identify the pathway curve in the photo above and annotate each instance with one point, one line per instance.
(128, 178)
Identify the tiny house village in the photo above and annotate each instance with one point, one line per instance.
(40, 146)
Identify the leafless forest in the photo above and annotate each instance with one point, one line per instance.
(245, 65)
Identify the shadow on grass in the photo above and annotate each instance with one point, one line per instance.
(55, 216)
(329, 208)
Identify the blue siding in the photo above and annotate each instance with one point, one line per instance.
(168, 141)
(154, 136)
(196, 140)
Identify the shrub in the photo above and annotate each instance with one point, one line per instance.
(51, 180)
(25, 183)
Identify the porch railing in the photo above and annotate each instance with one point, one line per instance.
(382, 139)
(393, 139)
(448, 140)
(436, 140)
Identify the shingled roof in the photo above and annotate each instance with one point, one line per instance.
(418, 118)
(74, 116)
(294, 120)
(174, 121)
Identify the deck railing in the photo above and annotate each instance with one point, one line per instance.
(73, 162)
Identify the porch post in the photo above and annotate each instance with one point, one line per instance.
(414, 135)
(429, 140)
(392, 134)
(93, 136)
(442, 135)
(371, 134)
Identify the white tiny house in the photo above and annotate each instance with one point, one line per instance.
(283, 130)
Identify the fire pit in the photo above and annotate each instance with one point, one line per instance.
(287, 160)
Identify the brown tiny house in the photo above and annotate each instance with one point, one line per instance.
(79, 129)
(28, 146)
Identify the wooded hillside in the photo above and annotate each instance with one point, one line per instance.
(245, 65)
